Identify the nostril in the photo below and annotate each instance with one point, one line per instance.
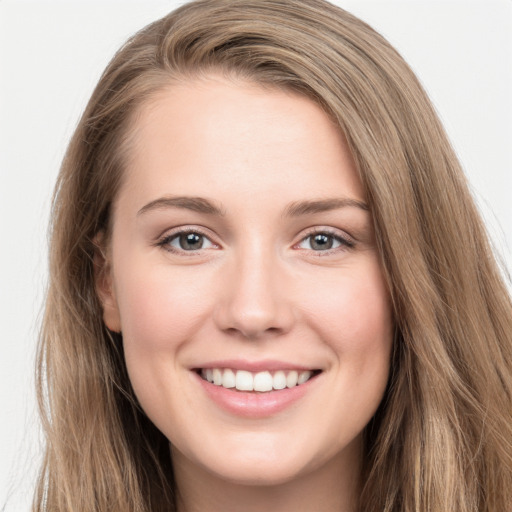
(253, 333)
(254, 312)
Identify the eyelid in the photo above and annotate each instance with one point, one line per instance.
(164, 239)
(347, 241)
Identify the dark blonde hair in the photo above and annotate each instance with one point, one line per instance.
(442, 437)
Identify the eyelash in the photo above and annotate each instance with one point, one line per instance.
(346, 243)
(165, 241)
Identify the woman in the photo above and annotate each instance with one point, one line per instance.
(269, 283)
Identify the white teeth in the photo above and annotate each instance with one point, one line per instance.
(261, 381)
(279, 380)
(229, 379)
(292, 379)
(217, 377)
(244, 381)
(303, 377)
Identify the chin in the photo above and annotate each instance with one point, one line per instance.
(268, 462)
(263, 473)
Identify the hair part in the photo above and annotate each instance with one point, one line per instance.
(441, 439)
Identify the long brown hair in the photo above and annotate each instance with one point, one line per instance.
(442, 437)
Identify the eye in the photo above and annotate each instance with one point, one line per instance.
(324, 241)
(186, 241)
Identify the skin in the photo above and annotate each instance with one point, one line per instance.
(258, 289)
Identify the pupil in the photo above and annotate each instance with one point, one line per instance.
(191, 241)
(321, 242)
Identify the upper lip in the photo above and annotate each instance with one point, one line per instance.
(255, 366)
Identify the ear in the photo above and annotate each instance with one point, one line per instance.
(104, 284)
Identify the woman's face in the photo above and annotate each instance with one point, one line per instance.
(242, 251)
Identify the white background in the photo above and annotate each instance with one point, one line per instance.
(51, 55)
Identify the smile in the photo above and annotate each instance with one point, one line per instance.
(263, 381)
(257, 389)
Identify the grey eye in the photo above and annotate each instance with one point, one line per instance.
(322, 242)
(190, 242)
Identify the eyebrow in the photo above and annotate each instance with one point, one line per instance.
(299, 208)
(295, 209)
(196, 204)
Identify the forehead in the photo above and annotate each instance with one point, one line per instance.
(219, 136)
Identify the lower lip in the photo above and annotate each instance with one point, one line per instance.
(254, 404)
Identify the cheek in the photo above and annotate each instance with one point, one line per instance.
(355, 321)
(161, 311)
(159, 308)
(354, 313)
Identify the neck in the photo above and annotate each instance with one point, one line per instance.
(333, 487)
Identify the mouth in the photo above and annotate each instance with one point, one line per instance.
(258, 382)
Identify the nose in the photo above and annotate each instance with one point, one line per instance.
(255, 301)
